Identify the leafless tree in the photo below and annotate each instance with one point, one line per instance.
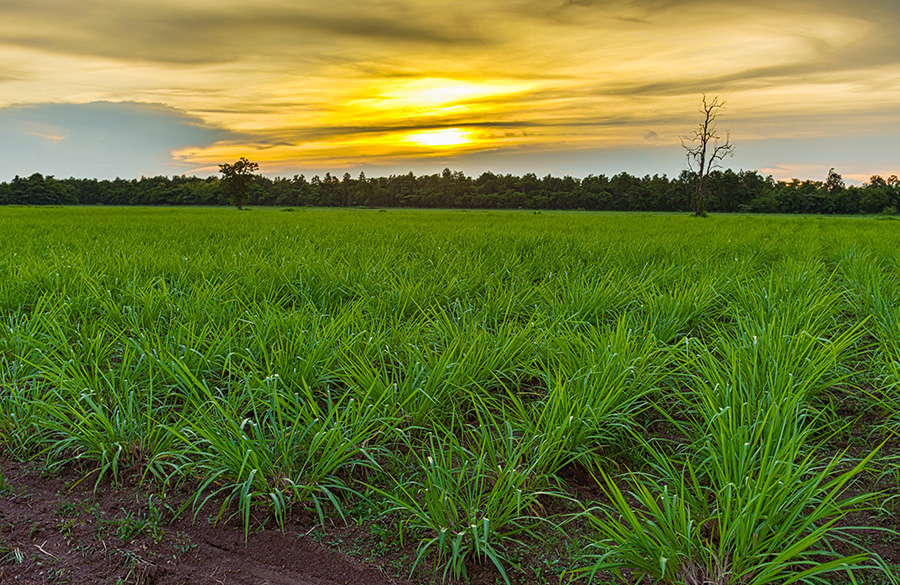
(704, 149)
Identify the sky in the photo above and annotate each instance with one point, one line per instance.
(130, 88)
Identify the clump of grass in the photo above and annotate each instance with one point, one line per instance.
(750, 502)
(750, 499)
(595, 381)
(263, 447)
(473, 491)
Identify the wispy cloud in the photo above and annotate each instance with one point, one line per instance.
(52, 137)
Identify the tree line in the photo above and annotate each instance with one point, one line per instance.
(726, 191)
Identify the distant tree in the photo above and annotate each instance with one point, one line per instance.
(236, 180)
(878, 195)
(704, 151)
(40, 190)
(348, 190)
(834, 183)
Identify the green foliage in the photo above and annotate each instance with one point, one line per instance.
(131, 525)
(749, 502)
(474, 490)
(236, 179)
(595, 380)
(267, 447)
(726, 191)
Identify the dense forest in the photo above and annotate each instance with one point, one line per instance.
(728, 191)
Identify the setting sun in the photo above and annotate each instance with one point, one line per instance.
(435, 96)
(440, 138)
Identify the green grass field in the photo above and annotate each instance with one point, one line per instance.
(731, 382)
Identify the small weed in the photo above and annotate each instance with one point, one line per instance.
(64, 508)
(35, 530)
(183, 542)
(11, 555)
(5, 488)
(135, 564)
(66, 526)
(130, 527)
(58, 575)
(77, 508)
(384, 539)
(398, 565)
(368, 508)
(85, 551)
(335, 543)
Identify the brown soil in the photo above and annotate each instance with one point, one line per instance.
(52, 532)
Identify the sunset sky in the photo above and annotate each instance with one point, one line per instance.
(106, 88)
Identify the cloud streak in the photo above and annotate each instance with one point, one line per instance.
(215, 32)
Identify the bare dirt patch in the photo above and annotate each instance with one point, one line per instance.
(54, 530)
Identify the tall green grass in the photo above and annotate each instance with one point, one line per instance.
(464, 365)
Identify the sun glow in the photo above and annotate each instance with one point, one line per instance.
(435, 96)
(440, 138)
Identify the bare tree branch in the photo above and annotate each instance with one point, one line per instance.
(703, 149)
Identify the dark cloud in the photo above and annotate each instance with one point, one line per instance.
(639, 6)
(99, 139)
(713, 7)
(210, 33)
(298, 135)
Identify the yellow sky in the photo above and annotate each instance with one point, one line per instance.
(387, 83)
